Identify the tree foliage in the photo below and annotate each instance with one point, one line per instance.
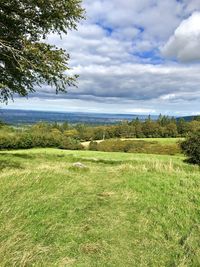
(70, 136)
(26, 59)
(191, 148)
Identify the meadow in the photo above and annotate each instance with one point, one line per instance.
(122, 209)
(162, 141)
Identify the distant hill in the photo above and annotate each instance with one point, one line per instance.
(18, 117)
(189, 118)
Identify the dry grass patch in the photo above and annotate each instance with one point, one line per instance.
(91, 248)
(65, 262)
(106, 194)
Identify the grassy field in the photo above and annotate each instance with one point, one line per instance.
(169, 140)
(122, 210)
(162, 141)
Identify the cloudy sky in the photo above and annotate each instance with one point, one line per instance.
(133, 56)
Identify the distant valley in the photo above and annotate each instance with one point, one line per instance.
(30, 117)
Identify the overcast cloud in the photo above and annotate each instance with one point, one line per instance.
(132, 57)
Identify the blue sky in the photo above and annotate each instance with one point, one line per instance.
(133, 56)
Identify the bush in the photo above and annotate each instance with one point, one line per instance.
(24, 140)
(1, 123)
(191, 148)
(93, 146)
(71, 144)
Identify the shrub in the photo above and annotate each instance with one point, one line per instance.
(1, 123)
(24, 140)
(93, 146)
(191, 148)
(71, 144)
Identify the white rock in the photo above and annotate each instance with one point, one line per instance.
(79, 165)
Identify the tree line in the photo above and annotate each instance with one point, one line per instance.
(68, 136)
(163, 127)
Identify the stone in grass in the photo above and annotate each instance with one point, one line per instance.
(79, 166)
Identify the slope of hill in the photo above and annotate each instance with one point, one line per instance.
(189, 118)
(120, 210)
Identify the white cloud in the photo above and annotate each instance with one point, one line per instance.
(185, 43)
(140, 111)
(133, 82)
(114, 51)
(179, 107)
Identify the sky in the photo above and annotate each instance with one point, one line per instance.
(132, 56)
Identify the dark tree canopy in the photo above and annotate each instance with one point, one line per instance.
(26, 59)
(191, 147)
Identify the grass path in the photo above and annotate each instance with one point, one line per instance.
(123, 210)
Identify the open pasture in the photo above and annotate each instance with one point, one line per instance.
(121, 210)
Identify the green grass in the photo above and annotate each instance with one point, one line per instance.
(166, 140)
(123, 210)
(138, 146)
(162, 141)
